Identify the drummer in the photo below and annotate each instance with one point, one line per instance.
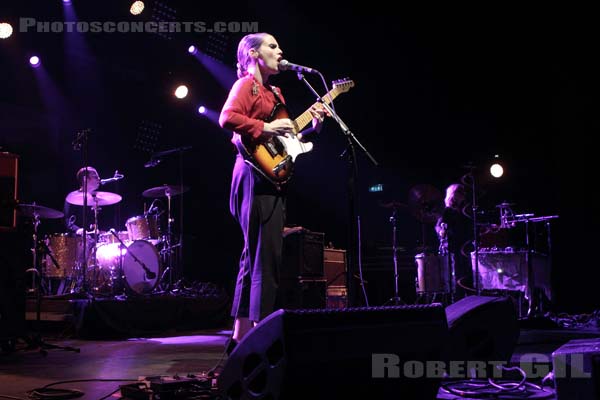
(73, 213)
(454, 229)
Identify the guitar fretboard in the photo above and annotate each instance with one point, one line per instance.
(306, 117)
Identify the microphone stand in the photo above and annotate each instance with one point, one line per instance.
(81, 143)
(474, 208)
(169, 269)
(354, 217)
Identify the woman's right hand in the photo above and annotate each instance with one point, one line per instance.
(278, 127)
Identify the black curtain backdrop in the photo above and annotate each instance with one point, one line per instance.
(434, 91)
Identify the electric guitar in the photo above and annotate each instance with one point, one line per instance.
(274, 158)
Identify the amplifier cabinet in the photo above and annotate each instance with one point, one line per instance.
(303, 255)
(9, 171)
(335, 267)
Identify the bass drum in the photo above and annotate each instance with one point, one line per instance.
(142, 275)
(103, 276)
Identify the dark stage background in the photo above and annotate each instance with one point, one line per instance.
(434, 91)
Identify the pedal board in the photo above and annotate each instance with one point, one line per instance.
(165, 388)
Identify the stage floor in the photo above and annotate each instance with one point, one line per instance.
(193, 352)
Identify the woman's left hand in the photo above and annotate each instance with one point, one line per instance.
(318, 112)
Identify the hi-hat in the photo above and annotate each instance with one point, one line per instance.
(31, 210)
(165, 190)
(93, 198)
(426, 203)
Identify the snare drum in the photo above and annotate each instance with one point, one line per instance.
(66, 250)
(141, 227)
(435, 273)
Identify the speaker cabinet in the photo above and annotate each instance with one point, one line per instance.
(331, 354)
(302, 293)
(482, 329)
(335, 267)
(303, 255)
(9, 168)
(337, 297)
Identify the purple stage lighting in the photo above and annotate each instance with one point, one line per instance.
(35, 61)
(192, 49)
(67, 1)
(201, 110)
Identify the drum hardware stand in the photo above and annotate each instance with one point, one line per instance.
(35, 269)
(81, 144)
(35, 341)
(169, 249)
(396, 300)
(155, 160)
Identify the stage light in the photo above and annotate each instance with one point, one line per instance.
(6, 30)
(137, 7)
(181, 91)
(35, 61)
(496, 169)
(192, 49)
(67, 1)
(201, 110)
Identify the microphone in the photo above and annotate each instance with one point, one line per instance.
(116, 177)
(285, 65)
(152, 163)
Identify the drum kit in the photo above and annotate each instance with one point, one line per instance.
(135, 261)
(435, 271)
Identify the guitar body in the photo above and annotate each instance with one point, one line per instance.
(275, 157)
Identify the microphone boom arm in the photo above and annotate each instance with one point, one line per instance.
(149, 274)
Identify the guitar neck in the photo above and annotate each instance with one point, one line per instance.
(306, 117)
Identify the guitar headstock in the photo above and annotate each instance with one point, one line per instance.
(342, 85)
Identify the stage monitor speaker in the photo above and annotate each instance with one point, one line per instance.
(336, 354)
(576, 367)
(481, 329)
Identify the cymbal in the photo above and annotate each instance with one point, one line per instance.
(93, 198)
(392, 204)
(426, 203)
(31, 210)
(164, 190)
